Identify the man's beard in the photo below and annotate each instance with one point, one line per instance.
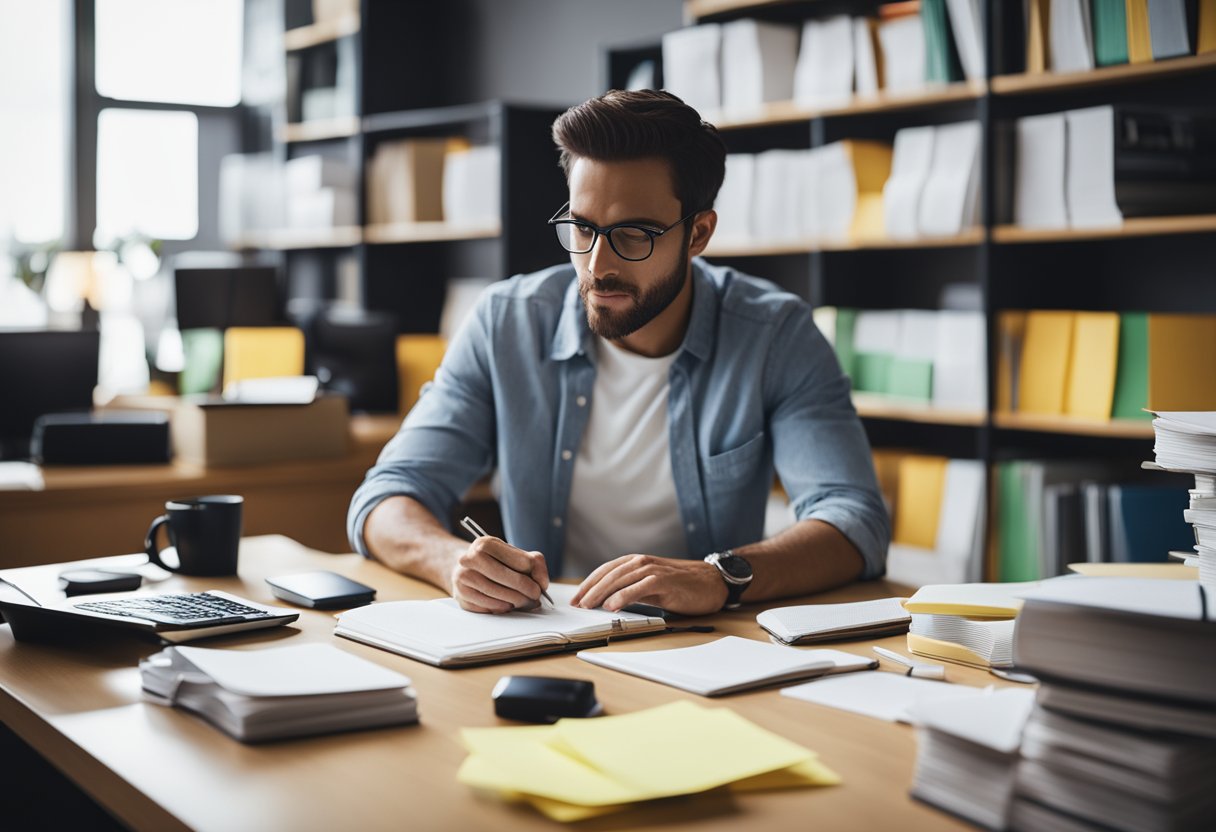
(614, 326)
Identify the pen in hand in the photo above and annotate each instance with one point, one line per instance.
(470, 525)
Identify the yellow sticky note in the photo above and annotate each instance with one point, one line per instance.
(536, 769)
(691, 738)
(922, 482)
(807, 773)
(1091, 373)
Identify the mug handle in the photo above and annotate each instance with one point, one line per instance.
(150, 542)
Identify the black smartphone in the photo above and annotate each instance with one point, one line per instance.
(322, 590)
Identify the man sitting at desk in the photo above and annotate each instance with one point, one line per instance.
(635, 404)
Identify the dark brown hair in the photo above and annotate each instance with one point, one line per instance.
(639, 124)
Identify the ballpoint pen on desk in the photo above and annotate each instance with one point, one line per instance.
(921, 670)
(470, 526)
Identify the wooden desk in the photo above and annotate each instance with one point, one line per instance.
(157, 768)
(105, 510)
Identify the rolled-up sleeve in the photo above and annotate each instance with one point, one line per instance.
(447, 441)
(820, 449)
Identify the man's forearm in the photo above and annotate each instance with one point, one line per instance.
(402, 534)
(810, 556)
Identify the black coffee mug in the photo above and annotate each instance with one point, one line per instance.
(205, 531)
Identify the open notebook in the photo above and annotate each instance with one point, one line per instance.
(439, 632)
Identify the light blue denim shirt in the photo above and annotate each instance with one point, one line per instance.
(754, 387)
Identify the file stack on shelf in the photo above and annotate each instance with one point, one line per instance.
(1124, 731)
(1187, 442)
(321, 193)
(1094, 167)
(967, 753)
(279, 692)
(970, 624)
(1076, 35)
(405, 181)
(757, 66)
(824, 73)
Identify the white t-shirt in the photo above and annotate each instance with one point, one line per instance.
(622, 494)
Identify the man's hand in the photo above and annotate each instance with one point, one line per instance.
(687, 587)
(493, 576)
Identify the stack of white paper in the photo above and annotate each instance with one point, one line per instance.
(734, 202)
(728, 665)
(471, 186)
(910, 165)
(960, 363)
(279, 692)
(691, 66)
(950, 201)
(810, 623)
(757, 65)
(780, 195)
(824, 75)
(865, 57)
(968, 36)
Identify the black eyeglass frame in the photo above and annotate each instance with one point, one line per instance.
(606, 232)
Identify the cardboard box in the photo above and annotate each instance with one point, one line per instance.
(223, 434)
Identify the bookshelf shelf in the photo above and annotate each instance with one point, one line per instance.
(785, 112)
(1134, 227)
(972, 237)
(324, 31)
(1116, 428)
(304, 238)
(428, 232)
(320, 130)
(1036, 83)
(698, 9)
(877, 406)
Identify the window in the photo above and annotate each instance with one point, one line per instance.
(34, 65)
(147, 174)
(174, 51)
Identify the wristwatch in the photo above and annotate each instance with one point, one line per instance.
(737, 573)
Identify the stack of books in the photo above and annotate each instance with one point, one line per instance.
(971, 624)
(1187, 442)
(1123, 734)
(280, 692)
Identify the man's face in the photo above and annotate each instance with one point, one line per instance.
(622, 296)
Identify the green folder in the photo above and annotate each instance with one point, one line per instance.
(1019, 557)
(1131, 374)
(910, 378)
(872, 371)
(1110, 32)
(941, 55)
(846, 323)
(203, 353)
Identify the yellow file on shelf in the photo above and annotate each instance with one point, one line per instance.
(1011, 333)
(1207, 27)
(1037, 28)
(871, 169)
(262, 352)
(1091, 372)
(418, 357)
(1139, 40)
(1181, 354)
(922, 482)
(1043, 377)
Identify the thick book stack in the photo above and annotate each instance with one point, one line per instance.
(1187, 442)
(1123, 735)
(970, 624)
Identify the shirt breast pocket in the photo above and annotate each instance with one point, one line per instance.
(736, 466)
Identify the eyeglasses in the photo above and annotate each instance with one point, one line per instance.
(629, 241)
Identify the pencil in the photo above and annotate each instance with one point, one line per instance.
(470, 525)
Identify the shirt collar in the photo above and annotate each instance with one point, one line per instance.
(574, 337)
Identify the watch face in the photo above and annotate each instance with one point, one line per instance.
(736, 567)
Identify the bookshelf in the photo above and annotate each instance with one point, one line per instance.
(1158, 264)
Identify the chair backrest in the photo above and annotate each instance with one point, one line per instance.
(418, 357)
(262, 352)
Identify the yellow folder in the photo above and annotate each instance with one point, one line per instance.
(1139, 39)
(1038, 20)
(1091, 373)
(1043, 376)
(262, 352)
(932, 648)
(418, 357)
(1011, 332)
(1207, 27)
(922, 481)
(871, 169)
(1181, 355)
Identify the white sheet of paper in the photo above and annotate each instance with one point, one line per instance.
(298, 670)
(881, 695)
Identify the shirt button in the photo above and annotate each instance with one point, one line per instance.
(581, 401)
(692, 527)
(557, 522)
(566, 455)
